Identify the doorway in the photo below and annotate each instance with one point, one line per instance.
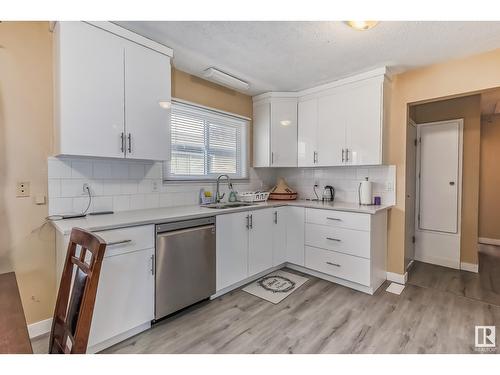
(439, 155)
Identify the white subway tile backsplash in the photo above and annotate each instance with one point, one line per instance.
(102, 169)
(121, 185)
(81, 169)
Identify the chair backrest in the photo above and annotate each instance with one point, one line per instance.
(77, 293)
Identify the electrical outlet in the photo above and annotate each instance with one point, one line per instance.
(389, 186)
(154, 187)
(23, 189)
(85, 189)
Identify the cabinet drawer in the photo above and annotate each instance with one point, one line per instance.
(344, 266)
(125, 240)
(339, 219)
(343, 240)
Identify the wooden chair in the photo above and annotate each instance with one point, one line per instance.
(77, 293)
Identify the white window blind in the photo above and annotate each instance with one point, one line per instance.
(206, 143)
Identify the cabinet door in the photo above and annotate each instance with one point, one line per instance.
(147, 83)
(279, 235)
(284, 133)
(307, 132)
(89, 88)
(261, 135)
(364, 123)
(295, 235)
(125, 295)
(232, 249)
(260, 241)
(331, 129)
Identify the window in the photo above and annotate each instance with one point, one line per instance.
(206, 143)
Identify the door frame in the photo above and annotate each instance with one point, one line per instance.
(449, 239)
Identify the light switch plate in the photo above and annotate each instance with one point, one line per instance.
(23, 189)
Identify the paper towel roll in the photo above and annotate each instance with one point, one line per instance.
(365, 192)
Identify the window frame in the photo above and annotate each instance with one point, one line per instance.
(244, 139)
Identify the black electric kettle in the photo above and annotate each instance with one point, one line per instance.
(328, 193)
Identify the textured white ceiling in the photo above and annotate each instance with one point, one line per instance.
(290, 56)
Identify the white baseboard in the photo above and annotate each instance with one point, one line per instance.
(397, 277)
(489, 241)
(469, 267)
(40, 328)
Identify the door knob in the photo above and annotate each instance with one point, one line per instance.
(452, 183)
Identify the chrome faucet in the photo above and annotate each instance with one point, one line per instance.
(219, 197)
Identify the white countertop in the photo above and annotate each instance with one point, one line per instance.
(164, 215)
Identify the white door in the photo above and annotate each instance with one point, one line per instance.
(232, 249)
(147, 83)
(125, 295)
(439, 164)
(284, 133)
(279, 235)
(295, 217)
(411, 165)
(332, 117)
(260, 241)
(90, 78)
(363, 104)
(307, 132)
(261, 135)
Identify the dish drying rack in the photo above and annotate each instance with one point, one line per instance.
(253, 196)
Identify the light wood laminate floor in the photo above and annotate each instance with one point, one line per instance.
(322, 317)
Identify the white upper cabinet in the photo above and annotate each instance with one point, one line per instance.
(275, 132)
(342, 123)
(147, 83)
(89, 91)
(107, 93)
(307, 144)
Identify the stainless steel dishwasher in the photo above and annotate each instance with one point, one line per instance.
(185, 264)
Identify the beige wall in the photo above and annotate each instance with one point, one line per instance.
(445, 80)
(489, 186)
(197, 90)
(25, 144)
(468, 108)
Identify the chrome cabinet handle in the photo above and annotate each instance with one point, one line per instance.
(272, 157)
(315, 157)
(251, 221)
(123, 142)
(248, 221)
(152, 264)
(334, 218)
(346, 155)
(129, 143)
(343, 155)
(114, 243)
(333, 264)
(275, 217)
(333, 239)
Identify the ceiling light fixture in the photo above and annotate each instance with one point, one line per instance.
(361, 25)
(225, 79)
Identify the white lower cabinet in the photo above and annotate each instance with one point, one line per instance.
(260, 241)
(124, 303)
(295, 235)
(231, 249)
(125, 296)
(345, 247)
(279, 235)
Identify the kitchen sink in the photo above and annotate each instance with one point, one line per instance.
(228, 205)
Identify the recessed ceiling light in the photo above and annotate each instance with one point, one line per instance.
(361, 25)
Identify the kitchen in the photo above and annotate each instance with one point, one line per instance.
(251, 186)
